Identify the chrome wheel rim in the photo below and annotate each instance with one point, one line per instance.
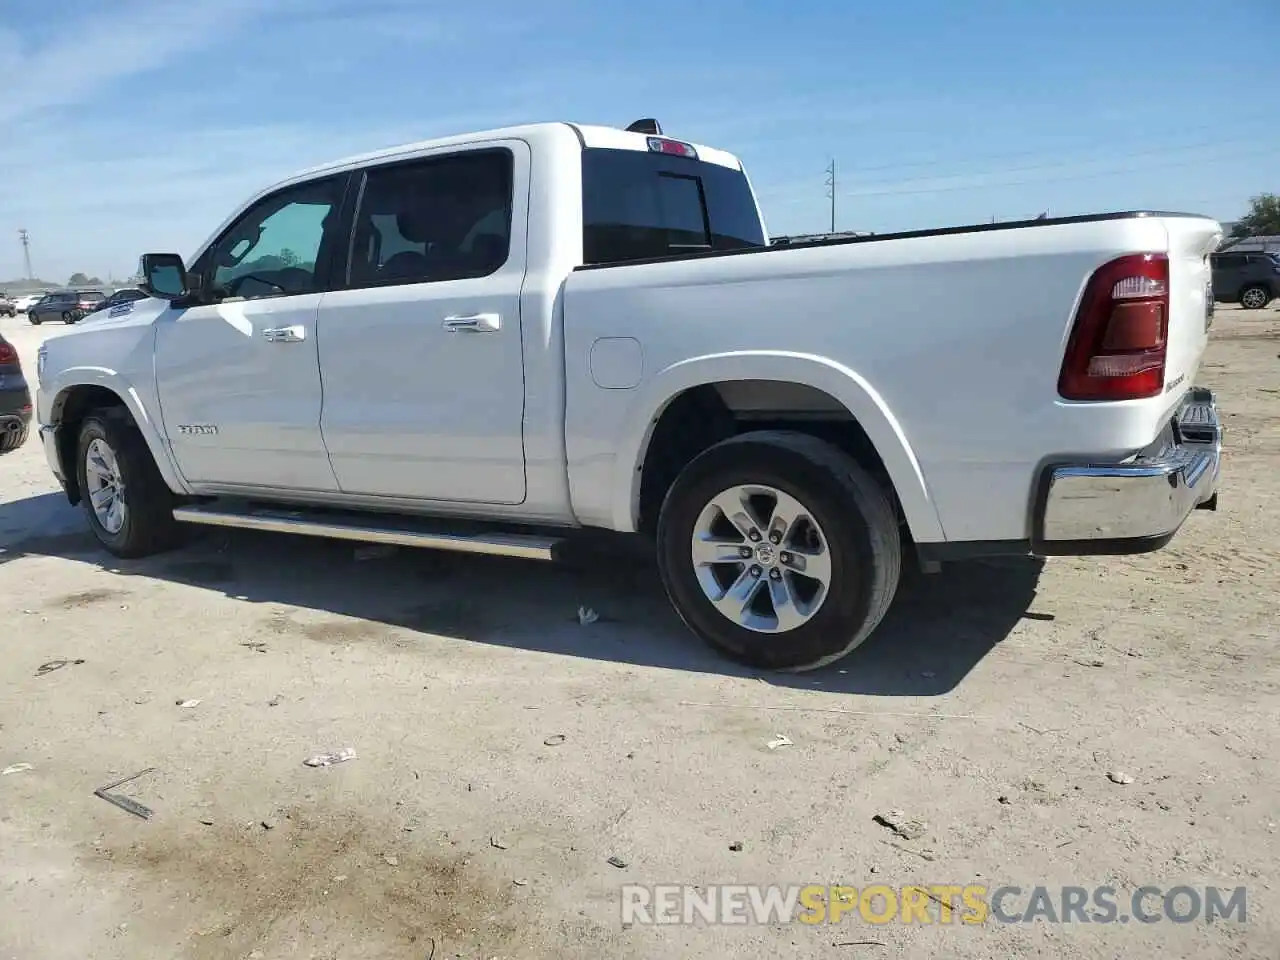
(105, 486)
(761, 558)
(1253, 298)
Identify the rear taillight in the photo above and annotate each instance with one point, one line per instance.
(7, 353)
(1120, 337)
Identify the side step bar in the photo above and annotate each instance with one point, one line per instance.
(372, 528)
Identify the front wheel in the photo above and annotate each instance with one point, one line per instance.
(779, 550)
(1255, 298)
(35, 320)
(129, 507)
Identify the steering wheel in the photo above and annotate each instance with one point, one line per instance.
(233, 287)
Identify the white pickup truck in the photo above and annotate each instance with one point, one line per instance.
(487, 342)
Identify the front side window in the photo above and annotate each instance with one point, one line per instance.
(274, 249)
(446, 218)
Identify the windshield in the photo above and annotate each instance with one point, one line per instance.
(637, 205)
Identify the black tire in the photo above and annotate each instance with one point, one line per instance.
(35, 320)
(66, 317)
(1255, 297)
(11, 440)
(149, 526)
(860, 527)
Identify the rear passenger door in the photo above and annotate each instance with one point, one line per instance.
(420, 348)
(1227, 273)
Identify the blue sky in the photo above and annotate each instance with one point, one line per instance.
(132, 125)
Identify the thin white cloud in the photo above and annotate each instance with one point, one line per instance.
(90, 54)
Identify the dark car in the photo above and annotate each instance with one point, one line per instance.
(127, 295)
(15, 399)
(62, 305)
(90, 300)
(1250, 279)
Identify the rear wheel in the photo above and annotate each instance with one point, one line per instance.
(779, 550)
(129, 507)
(1255, 297)
(66, 317)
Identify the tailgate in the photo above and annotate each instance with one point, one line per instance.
(1191, 240)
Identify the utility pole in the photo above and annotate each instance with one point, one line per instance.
(831, 192)
(26, 252)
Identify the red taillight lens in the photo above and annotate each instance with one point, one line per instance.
(8, 354)
(675, 148)
(1120, 337)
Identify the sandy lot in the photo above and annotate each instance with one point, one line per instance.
(992, 705)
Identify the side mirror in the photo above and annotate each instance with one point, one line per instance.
(164, 276)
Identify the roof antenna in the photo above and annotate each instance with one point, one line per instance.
(647, 125)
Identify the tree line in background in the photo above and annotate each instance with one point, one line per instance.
(1262, 220)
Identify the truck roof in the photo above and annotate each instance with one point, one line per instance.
(588, 135)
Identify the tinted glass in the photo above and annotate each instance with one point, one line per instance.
(637, 205)
(434, 220)
(272, 250)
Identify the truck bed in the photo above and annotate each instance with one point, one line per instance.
(946, 345)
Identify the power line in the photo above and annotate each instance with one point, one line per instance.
(784, 188)
(1077, 145)
(1068, 164)
(1050, 180)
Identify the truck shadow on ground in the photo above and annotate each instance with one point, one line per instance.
(939, 629)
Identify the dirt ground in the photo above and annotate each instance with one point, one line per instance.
(992, 705)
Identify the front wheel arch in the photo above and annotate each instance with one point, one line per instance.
(70, 409)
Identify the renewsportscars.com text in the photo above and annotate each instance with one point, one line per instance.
(968, 904)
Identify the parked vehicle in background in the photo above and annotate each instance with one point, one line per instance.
(24, 303)
(7, 307)
(61, 305)
(15, 399)
(89, 301)
(123, 296)
(1249, 279)
(486, 342)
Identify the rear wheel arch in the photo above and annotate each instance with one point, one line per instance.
(803, 394)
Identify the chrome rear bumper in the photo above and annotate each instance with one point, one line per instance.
(1138, 505)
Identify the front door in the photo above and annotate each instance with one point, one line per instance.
(421, 352)
(239, 377)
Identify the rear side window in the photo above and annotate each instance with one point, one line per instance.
(638, 205)
(445, 218)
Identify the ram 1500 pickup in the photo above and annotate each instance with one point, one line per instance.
(486, 342)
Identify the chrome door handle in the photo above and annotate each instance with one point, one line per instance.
(473, 323)
(294, 334)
